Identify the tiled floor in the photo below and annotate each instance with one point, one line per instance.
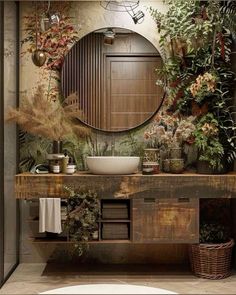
(31, 279)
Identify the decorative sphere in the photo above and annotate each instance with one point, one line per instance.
(39, 57)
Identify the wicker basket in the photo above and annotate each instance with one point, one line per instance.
(211, 261)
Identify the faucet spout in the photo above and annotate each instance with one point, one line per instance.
(113, 146)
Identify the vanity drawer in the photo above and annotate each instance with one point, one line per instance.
(166, 220)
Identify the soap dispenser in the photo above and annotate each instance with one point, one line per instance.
(64, 163)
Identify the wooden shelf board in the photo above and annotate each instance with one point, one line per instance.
(64, 241)
(114, 220)
(86, 173)
(37, 220)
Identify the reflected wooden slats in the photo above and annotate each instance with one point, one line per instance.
(100, 85)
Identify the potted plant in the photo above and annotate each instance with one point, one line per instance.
(169, 134)
(211, 258)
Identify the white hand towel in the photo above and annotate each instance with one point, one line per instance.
(50, 215)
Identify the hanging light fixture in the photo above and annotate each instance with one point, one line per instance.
(38, 56)
(125, 6)
(109, 36)
(49, 18)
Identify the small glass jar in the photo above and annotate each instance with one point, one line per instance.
(150, 168)
(166, 165)
(56, 168)
(176, 166)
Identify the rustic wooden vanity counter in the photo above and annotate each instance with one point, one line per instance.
(162, 208)
(187, 185)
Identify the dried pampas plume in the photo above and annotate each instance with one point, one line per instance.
(42, 117)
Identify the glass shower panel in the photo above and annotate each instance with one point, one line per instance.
(1, 149)
(10, 138)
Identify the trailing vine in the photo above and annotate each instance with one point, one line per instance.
(82, 218)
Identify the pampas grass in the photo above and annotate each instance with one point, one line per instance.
(42, 117)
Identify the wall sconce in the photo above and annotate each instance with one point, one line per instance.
(49, 19)
(109, 36)
(54, 18)
(125, 6)
(138, 17)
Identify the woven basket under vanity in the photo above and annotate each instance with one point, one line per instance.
(211, 261)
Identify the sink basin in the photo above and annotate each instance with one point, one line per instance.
(113, 165)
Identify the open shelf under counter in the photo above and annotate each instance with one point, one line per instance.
(163, 185)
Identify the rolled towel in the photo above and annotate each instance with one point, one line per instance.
(50, 215)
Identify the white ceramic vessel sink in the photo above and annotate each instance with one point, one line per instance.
(113, 165)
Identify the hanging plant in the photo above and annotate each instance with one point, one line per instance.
(82, 218)
(207, 140)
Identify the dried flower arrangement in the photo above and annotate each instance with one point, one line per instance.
(42, 117)
(170, 131)
(203, 85)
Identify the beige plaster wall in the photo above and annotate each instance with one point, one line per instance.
(88, 17)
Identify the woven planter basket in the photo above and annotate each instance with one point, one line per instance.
(211, 261)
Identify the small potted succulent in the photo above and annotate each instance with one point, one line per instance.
(211, 258)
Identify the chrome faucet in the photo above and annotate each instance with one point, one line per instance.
(113, 146)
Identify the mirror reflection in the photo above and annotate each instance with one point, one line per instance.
(109, 78)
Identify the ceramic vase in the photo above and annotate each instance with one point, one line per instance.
(176, 166)
(151, 155)
(176, 153)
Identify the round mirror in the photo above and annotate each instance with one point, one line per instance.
(109, 78)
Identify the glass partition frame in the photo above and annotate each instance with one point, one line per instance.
(5, 272)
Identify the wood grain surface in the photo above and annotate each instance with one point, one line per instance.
(169, 186)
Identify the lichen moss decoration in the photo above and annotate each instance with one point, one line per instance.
(82, 218)
(195, 40)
